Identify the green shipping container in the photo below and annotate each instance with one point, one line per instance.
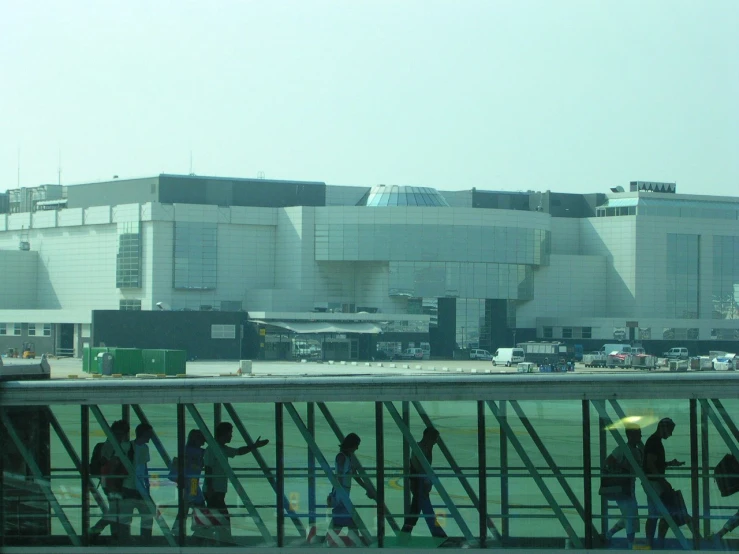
(175, 362)
(166, 362)
(127, 361)
(153, 361)
(89, 359)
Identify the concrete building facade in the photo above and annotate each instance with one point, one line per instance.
(462, 269)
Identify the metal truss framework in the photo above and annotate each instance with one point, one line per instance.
(575, 517)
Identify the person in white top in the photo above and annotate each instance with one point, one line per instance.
(215, 484)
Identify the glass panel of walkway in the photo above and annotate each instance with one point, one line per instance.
(534, 461)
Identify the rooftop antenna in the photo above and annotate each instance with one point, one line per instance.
(19, 166)
(59, 169)
(260, 174)
(191, 171)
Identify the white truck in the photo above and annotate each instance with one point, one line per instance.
(619, 355)
(595, 359)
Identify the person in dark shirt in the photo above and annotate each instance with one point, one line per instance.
(421, 485)
(655, 465)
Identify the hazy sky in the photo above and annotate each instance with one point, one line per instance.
(572, 96)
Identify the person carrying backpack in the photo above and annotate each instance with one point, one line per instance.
(619, 484)
(135, 491)
(105, 466)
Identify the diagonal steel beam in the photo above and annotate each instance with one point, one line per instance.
(393, 411)
(600, 406)
(521, 451)
(154, 437)
(326, 467)
(729, 423)
(360, 468)
(561, 479)
(730, 443)
(132, 471)
(76, 460)
(458, 471)
(41, 480)
(223, 461)
(262, 463)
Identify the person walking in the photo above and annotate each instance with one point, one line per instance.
(619, 471)
(655, 466)
(421, 485)
(136, 487)
(216, 481)
(121, 432)
(189, 484)
(342, 509)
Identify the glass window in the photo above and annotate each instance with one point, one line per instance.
(547, 331)
(31, 329)
(47, 329)
(131, 305)
(128, 258)
(683, 273)
(3, 328)
(587, 332)
(566, 332)
(223, 331)
(17, 329)
(195, 256)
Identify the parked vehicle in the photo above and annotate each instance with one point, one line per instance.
(543, 352)
(410, 354)
(595, 359)
(617, 347)
(479, 354)
(677, 353)
(508, 356)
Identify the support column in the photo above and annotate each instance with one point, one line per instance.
(482, 467)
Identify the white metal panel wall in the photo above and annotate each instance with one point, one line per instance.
(569, 286)
(18, 281)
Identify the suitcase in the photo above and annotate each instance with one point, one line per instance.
(726, 474)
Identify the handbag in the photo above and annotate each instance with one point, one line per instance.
(615, 485)
(675, 504)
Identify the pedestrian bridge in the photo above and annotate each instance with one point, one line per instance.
(517, 465)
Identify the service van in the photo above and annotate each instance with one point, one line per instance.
(508, 356)
(479, 354)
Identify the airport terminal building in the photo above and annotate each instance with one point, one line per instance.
(370, 268)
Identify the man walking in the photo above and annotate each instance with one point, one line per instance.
(136, 495)
(620, 471)
(421, 485)
(216, 480)
(121, 432)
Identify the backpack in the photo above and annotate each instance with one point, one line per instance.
(113, 473)
(726, 474)
(96, 461)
